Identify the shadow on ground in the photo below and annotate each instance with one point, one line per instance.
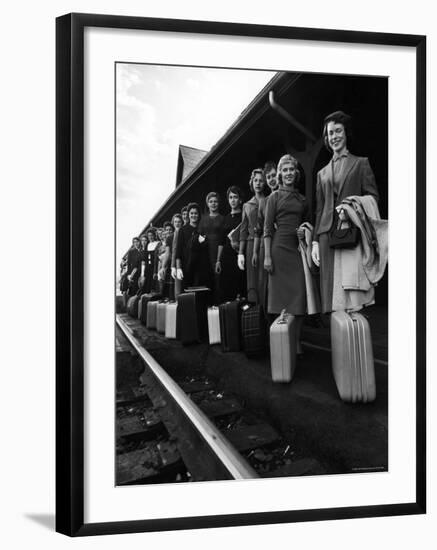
(46, 520)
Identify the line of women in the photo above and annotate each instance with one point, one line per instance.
(253, 251)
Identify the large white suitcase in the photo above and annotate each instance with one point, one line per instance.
(352, 357)
(170, 320)
(283, 347)
(214, 325)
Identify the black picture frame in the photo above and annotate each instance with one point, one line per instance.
(70, 272)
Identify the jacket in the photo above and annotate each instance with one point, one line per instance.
(312, 289)
(358, 179)
(358, 270)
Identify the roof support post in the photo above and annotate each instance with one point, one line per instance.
(290, 118)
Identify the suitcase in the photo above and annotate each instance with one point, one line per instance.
(230, 325)
(352, 357)
(160, 317)
(214, 325)
(192, 315)
(253, 330)
(142, 305)
(170, 320)
(283, 347)
(152, 307)
(132, 305)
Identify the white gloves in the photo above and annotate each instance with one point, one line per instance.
(315, 253)
(179, 274)
(241, 261)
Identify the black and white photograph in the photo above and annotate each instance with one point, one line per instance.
(218, 288)
(251, 274)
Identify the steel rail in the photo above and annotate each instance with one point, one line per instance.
(221, 449)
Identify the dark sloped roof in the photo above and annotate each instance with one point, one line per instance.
(188, 159)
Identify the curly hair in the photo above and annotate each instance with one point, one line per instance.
(338, 117)
(283, 160)
(195, 206)
(255, 173)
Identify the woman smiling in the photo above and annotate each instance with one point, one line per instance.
(286, 209)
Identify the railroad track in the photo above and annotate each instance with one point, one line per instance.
(184, 428)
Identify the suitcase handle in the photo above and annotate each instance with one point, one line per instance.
(282, 318)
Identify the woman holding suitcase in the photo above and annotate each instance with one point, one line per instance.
(286, 209)
(246, 258)
(344, 176)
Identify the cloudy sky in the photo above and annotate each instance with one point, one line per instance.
(158, 108)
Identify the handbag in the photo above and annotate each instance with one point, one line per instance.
(343, 234)
(124, 283)
(234, 237)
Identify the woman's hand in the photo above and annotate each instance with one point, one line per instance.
(315, 253)
(300, 232)
(141, 281)
(173, 273)
(254, 259)
(161, 274)
(218, 267)
(202, 239)
(268, 264)
(342, 214)
(241, 261)
(179, 274)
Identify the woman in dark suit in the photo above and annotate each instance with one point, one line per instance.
(149, 264)
(344, 176)
(232, 279)
(192, 262)
(211, 230)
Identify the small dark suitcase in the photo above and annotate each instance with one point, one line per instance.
(152, 308)
(192, 317)
(132, 305)
(230, 325)
(253, 329)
